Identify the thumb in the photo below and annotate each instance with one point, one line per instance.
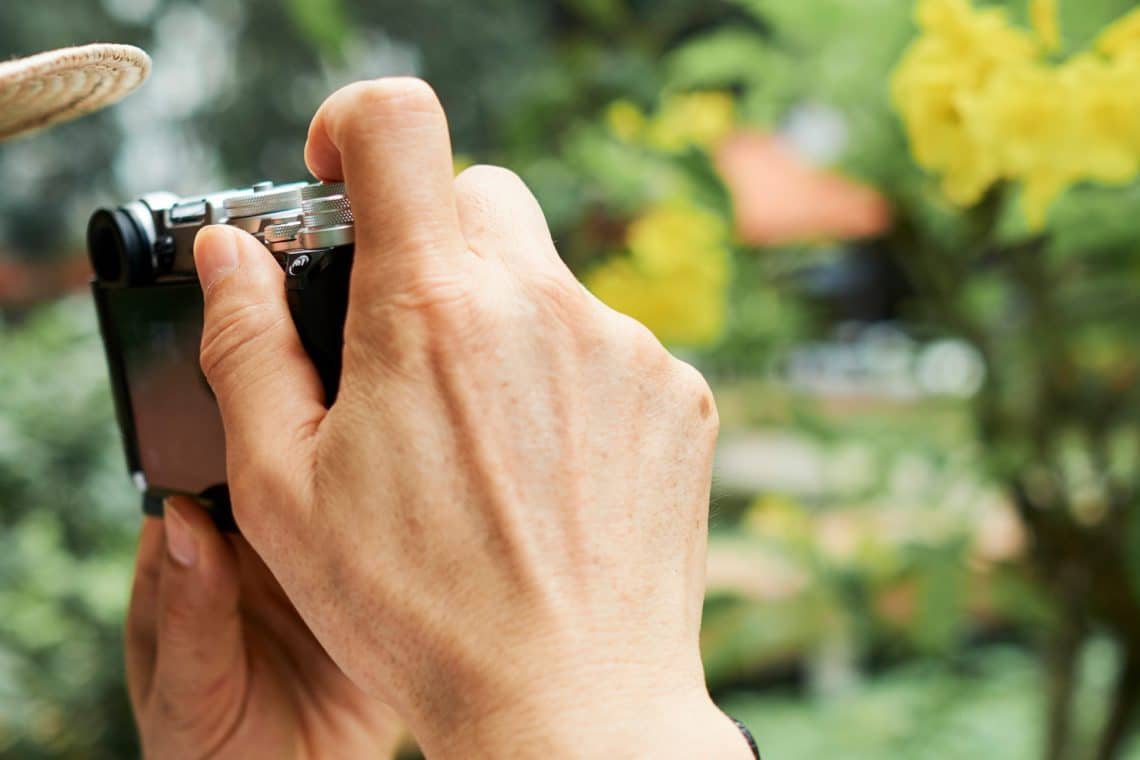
(200, 664)
(268, 391)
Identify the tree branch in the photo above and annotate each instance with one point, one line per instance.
(1061, 668)
(1125, 699)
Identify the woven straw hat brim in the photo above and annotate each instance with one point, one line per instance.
(47, 88)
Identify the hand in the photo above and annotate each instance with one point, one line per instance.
(500, 525)
(219, 665)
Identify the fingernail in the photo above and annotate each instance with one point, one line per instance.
(180, 540)
(217, 256)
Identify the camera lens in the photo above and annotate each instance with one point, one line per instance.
(118, 250)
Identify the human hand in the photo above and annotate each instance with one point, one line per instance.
(500, 525)
(220, 665)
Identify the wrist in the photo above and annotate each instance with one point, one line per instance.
(593, 718)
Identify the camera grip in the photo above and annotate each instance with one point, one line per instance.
(316, 288)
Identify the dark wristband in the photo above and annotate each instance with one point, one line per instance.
(748, 737)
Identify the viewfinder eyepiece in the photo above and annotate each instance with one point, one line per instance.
(120, 254)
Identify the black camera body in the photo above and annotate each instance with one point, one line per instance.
(149, 305)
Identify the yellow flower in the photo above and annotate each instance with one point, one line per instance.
(942, 14)
(780, 518)
(1040, 189)
(1105, 102)
(625, 120)
(959, 50)
(663, 241)
(981, 38)
(675, 278)
(461, 161)
(930, 99)
(1122, 38)
(980, 105)
(1022, 117)
(699, 119)
(1043, 13)
(678, 312)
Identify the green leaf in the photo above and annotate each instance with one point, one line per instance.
(704, 183)
(322, 22)
(727, 57)
(1132, 553)
(606, 14)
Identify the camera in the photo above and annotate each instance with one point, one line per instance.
(149, 306)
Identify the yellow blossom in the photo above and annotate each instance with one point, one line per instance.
(931, 102)
(461, 161)
(625, 120)
(678, 312)
(1043, 13)
(982, 39)
(699, 119)
(959, 51)
(1024, 123)
(664, 240)
(1105, 103)
(676, 276)
(981, 105)
(1122, 38)
(779, 517)
(1040, 189)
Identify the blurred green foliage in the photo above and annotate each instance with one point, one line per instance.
(67, 525)
(930, 709)
(323, 23)
(865, 554)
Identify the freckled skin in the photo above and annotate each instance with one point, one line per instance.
(499, 527)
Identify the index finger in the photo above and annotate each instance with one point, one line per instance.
(388, 140)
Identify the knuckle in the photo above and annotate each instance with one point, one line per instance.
(490, 195)
(442, 301)
(561, 295)
(178, 707)
(489, 176)
(169, 708)
(697, 396)
(639, 343)
(464, 324)
(389, 97)
(425, 310)
(178, 617)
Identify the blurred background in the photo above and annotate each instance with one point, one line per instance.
(900, 238)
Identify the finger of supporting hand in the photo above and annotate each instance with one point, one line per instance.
(201, 655)
(142, 614)
(388, 140)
